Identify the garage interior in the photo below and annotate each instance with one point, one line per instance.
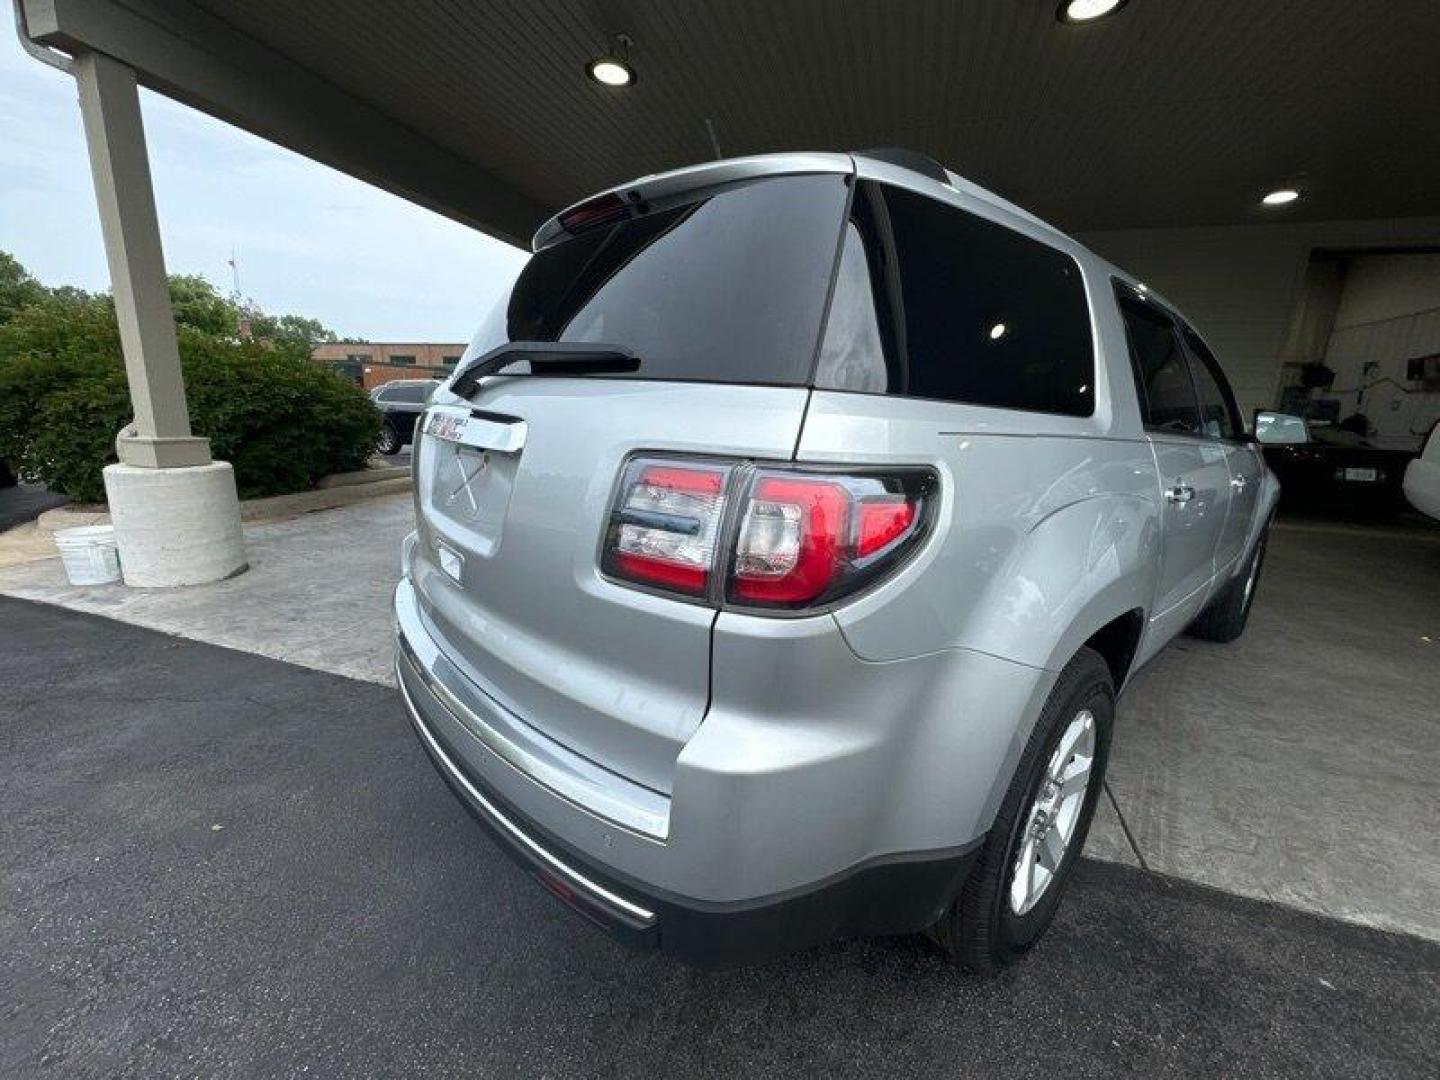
(1297, 765)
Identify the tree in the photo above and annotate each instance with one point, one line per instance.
(291, 331)
(282, 421)
(197, 305)
(17, 288)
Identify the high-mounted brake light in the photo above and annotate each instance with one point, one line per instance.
(596, 211)
(800, 539)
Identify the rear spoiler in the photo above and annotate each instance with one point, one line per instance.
(617, 202)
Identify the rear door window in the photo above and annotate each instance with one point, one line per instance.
(1219, 416)
(730, 286)
(1162, 373)
(977, 312)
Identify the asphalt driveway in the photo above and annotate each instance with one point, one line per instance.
(218, 864)
(26, 502)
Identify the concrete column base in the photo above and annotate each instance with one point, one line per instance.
(175, 526)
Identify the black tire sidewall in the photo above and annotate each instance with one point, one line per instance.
(1017, 933)
(980, 931)
(1256, 567)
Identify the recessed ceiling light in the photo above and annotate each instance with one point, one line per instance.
(1281, 196)
(613, 69)
(1078, 11)
(997, 331)
(611, 72)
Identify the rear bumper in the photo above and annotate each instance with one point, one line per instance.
(891, 895)
(822, 796)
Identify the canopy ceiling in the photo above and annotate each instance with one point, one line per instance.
(1171, 112)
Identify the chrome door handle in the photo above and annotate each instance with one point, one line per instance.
(1181, 494)
(1238, 483)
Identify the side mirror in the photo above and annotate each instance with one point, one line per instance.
(1280, 429)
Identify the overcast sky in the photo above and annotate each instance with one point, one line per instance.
(307, 239)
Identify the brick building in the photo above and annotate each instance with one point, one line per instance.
(374, 362)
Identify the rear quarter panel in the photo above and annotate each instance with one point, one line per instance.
(1045, 532)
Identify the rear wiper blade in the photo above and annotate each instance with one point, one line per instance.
(548, 358)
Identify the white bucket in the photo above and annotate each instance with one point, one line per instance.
(89, 554)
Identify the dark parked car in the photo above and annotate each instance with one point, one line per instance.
(400, 403)
(1321, 467)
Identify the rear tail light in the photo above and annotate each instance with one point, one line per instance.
(665, 524)
(798, 540)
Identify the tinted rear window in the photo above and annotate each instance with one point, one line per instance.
(407, 392)
(970, 311)
(728, 288)
(1162, 373)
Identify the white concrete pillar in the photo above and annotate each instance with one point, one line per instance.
(175, 525)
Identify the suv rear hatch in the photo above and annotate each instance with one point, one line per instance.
(716, 280)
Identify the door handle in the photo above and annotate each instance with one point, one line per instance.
(1238, 483)
(1180, 494)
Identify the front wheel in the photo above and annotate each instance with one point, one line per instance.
(389, 441)
(1029, 854)
(1225, 618)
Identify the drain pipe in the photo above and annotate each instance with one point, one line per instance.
(58, 60)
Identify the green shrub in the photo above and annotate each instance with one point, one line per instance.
(282, 422)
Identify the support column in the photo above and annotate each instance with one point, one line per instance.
(176, 516)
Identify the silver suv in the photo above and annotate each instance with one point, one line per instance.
(784, 538)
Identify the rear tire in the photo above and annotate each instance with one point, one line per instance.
(1005, 905)
(1225, 618)
(389, 441)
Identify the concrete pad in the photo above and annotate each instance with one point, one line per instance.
(317, 592)
(26, 543)
(1107, 839)
(1299, 764)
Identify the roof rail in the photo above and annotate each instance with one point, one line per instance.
(913, 160)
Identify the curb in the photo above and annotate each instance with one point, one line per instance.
(340, 489)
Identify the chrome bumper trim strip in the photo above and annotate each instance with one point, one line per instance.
(593, 789)
(591, 889)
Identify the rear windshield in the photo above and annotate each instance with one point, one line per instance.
(728, 288)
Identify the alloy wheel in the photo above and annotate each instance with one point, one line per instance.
(1054, 814)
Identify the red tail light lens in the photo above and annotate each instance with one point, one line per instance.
(665, 524)
(790, 541)
(799, 540)
(882, 522)
(808, 539)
